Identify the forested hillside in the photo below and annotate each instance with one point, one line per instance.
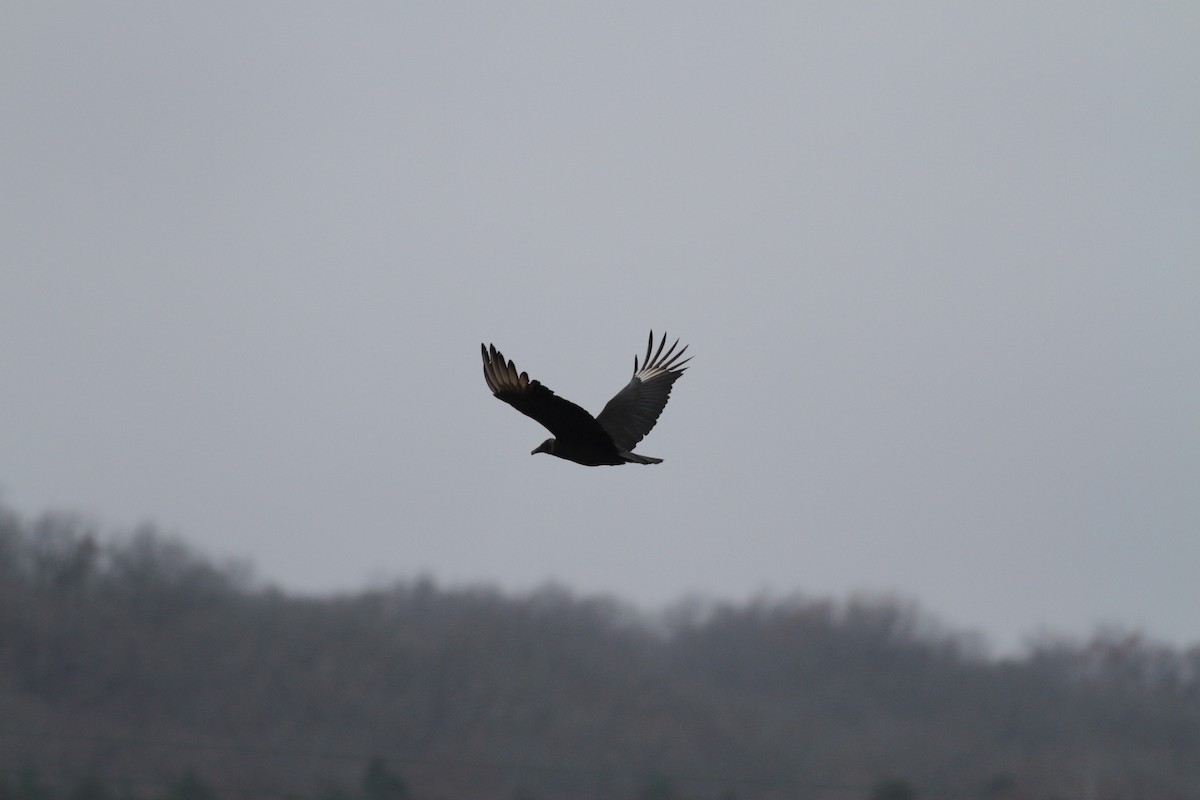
(133, 668)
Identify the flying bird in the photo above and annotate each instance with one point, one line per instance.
(609, 437)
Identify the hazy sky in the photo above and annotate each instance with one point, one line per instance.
(939, 266)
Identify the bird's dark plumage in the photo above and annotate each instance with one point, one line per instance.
(608, 438)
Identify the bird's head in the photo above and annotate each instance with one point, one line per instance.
(545, 447)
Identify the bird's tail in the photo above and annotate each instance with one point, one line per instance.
(634, 458)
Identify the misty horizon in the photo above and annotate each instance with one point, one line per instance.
(936, 266)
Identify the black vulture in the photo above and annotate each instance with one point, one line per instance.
(607, 438)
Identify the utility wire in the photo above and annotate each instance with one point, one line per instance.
(725, 782)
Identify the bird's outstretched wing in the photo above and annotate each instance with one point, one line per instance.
(562, 417)
(631, 414)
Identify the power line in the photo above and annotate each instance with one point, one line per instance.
(787, 784)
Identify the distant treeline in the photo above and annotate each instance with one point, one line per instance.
(133, 669)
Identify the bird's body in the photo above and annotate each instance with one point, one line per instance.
(609, 437)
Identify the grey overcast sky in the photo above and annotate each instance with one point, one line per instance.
(938, 263)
